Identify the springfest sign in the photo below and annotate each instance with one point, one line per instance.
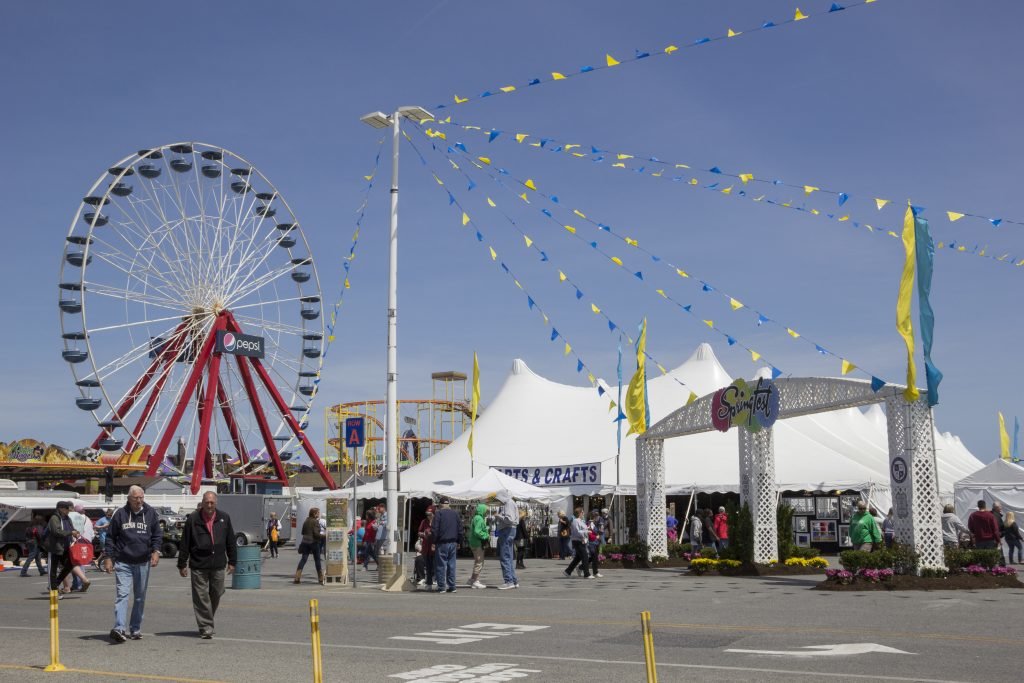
(555, 475)
(753, 406)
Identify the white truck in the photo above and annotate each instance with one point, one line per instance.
(16, 511)
(250, 513)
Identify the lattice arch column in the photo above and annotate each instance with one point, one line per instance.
(913, 478)
(650, 495)
(758, 490)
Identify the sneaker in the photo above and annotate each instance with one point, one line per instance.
(517, 584)
(206, 635)
(567, 574)
(598, 575)
(439, 591)
(477, 584)
(421, 582)
(450, 590)
(506, 586)
(85, 586)
(117, 636)
(589, 576)
(135, 636)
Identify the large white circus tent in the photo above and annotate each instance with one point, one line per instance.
(537, 427)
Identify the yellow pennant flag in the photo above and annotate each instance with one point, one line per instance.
(710, 323)
(1004, 439)
(954, 216)
(733, 34)
(485, 160)
(904, 325)
(682, 273)
(594, 308)
(568, 349)
(616, 260)
(727, 190)
(661, 368)
(578, 213)
(754, 355)
(508, 88)
(555, 76)
(570, 229)
(670, 49)
(528, 241)
(619, 165)
(460, 100)
(623, 156)
(692, 181)
(347, 285)
(474, 403)
(880, 203)
(490, 203)
(465, 218)
(561, 276)
(529, 183)
(524, 198)
(793, 333)
(611, 61)
(636, 393)
(521, 136)
(808, 189)
(662, 293)
(494, 254)
(746, 177)
(691, 399)
(848, 367)
(799, 15)
(736, 305)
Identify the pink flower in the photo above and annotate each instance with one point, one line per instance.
(630, 558)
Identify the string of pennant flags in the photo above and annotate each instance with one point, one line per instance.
(611, 62)
(351, 256)
(846, 366)
(562, 275)
(628, 162)
(567, 347)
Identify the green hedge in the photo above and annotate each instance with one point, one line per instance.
(900, 558)
(958, 558)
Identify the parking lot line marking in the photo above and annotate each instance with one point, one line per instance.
(123, 674)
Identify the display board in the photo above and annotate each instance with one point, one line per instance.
(337, 540)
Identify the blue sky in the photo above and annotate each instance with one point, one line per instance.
(902, 99)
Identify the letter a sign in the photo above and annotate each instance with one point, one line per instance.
(355, 433)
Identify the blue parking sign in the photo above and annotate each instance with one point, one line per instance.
(355, 432)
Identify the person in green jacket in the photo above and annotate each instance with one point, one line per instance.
(478, 534)
(864, 532)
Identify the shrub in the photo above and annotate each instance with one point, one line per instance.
(658, 559)
(784, 523)
(678, 549)
(958, 558)
(741, 535)
(699, 565)
(901, 559)
(839, 576)
(709, 552)
(806, 553)
(612, 548)
(638, 548)
(933, 573)
(813, 562)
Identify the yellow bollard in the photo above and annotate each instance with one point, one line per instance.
(54, 664)
(314, 628)
(645, 628)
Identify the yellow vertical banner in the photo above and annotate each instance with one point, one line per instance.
(1004, 439)
(904, 325)
(474, 402)
(636, 392)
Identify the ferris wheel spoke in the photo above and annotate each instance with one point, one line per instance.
(250, 258)
(129, 269)
(137, 323)
(110, 368)
(138, 297)
(270, 302)
(284, 328)
(153, 238)
(270, 276)
(153, 189)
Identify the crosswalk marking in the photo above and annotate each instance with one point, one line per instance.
(470, 633)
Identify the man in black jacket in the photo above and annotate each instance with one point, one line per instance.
(132, 548)
(207, 547)
(448, 535)
(60, 534)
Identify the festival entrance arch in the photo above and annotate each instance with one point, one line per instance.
(912, 466)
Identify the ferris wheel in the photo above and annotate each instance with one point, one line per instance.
(190, 312)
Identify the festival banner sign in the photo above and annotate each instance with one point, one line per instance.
(554, 475)
(753, 406)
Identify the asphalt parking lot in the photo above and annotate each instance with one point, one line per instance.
(552, 628)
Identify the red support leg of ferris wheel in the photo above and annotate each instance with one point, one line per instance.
(229, 420)
(151, 402)
(201, 464)
(140, 385)
(157, 457)
(261, 419)
(284, 410)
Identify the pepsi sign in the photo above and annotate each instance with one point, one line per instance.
(239, 344)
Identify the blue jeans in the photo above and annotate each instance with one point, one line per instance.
(33, 554)
(444, 565)
(507, 554)
(127, 577)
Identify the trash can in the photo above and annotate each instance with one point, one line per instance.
(247, 571)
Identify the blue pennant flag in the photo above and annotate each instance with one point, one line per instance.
(706, 287)
(820, 350)
(471, 185)
(546, 213)
(594, 245)
(486, 93)
(579, 365)
(638, 275)
(579, 294)
(600, 390)
(529, 302)
(604, 227)
(995, 222)
(686, 308)
(730, 340)
(768, 24)
(776, 372)
(611, 326)
(535, 81)
(836, 7)
(451, 199)
(543, 256)
(714, 169)
(876, 384)
(554, 198)
(459, 145)
(842, 198)
(554, 334)
(701, 41)
(641, 55)
(479, 237)
(586, 69)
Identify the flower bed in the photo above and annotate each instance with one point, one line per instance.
(970, 577)
(700, 566)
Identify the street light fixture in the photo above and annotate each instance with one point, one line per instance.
(380, 120)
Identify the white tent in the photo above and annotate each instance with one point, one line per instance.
(999, 481)
(491, 482)
(552, 434)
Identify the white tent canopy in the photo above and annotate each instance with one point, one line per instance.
(999, 481)
(535, 426)
(492, 482)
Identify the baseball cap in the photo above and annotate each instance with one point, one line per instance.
(65, 504)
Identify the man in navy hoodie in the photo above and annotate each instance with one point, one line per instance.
(133, 546)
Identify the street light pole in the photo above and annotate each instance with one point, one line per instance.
(381, 120)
